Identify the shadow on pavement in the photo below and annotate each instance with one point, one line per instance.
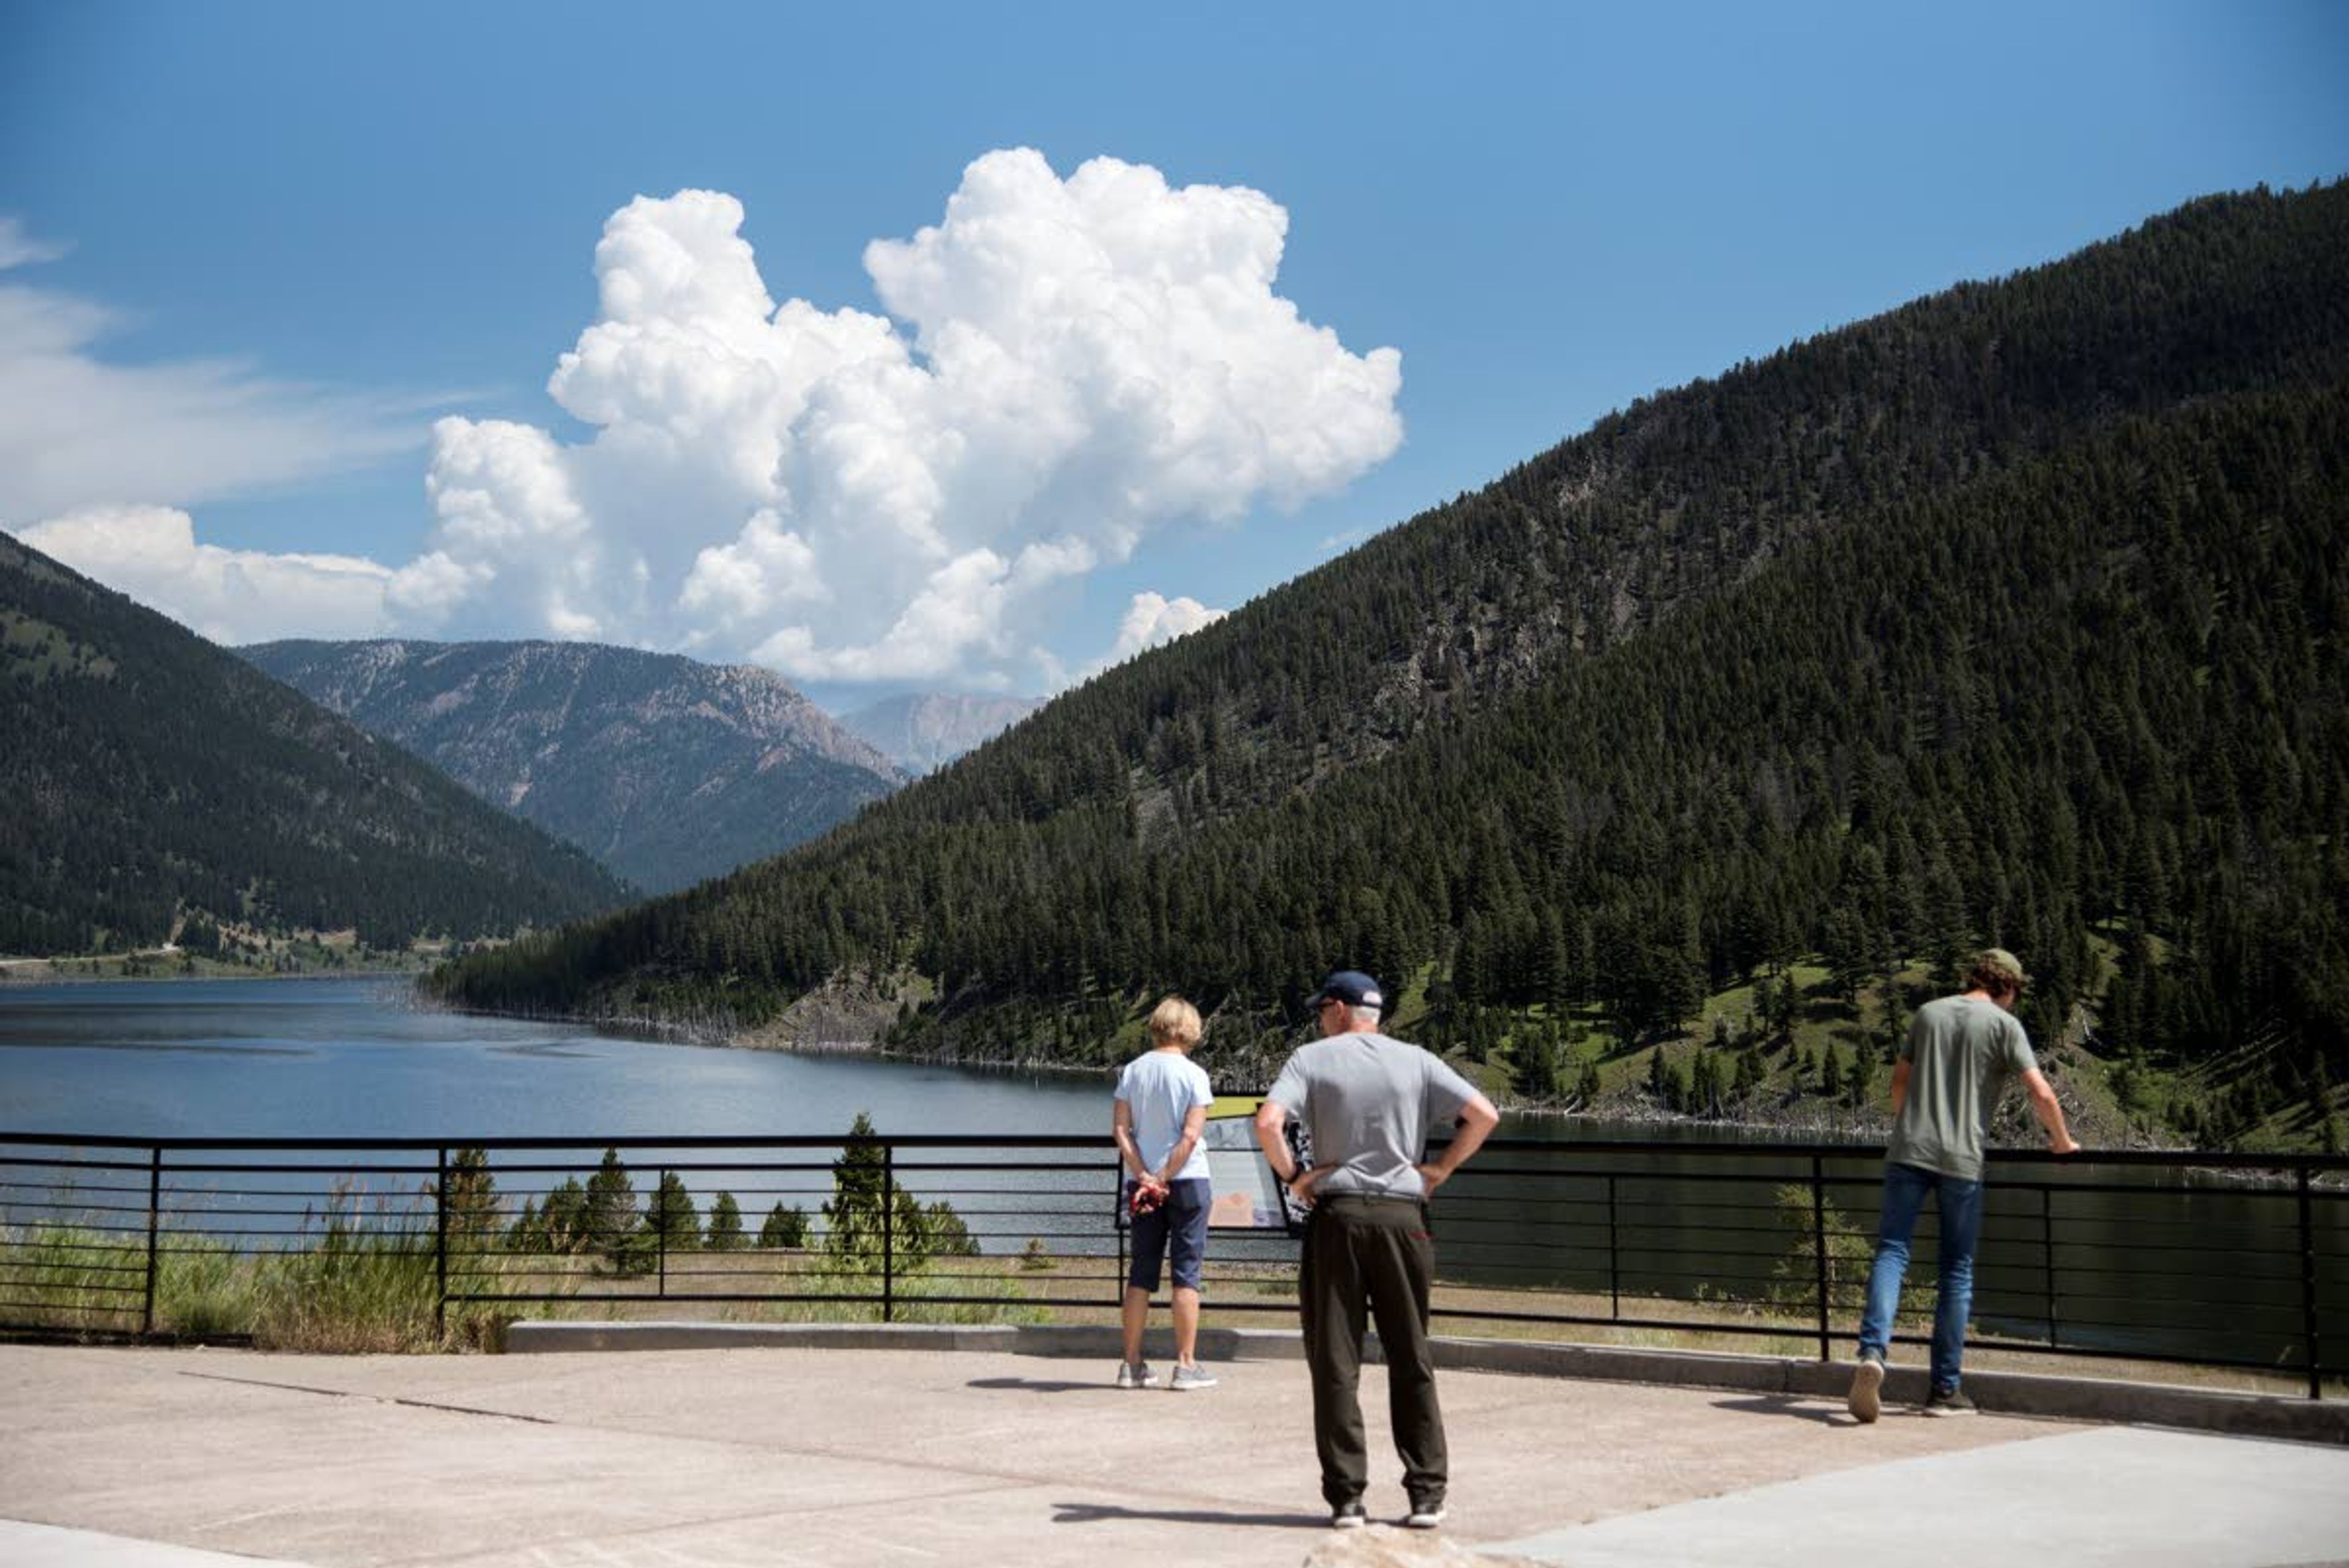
(1096, 1513)
(1788, 1405)
(1045, 1386)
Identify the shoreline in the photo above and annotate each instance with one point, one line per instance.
(10, 978)
(720, 1038)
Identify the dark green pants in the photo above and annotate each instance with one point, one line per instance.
(1373, 1256)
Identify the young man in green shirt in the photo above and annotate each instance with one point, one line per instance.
(1954, 1066)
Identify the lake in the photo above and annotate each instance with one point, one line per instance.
(355, 1058)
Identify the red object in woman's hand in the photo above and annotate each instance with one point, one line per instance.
(1146, 1198)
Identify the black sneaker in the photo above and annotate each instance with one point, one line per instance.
(1948, 1402)
(1425, 1514)
(1865, 1400)
(1349, 1516)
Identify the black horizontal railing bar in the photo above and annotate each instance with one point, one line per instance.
(2107, 1329)
(102, 1187)
(2172, 1161)
(1632, 1248)
(1623, 1206)
(57, 1243)
(2066, 1268)
(1633, 1181)
(79, 1288)
(2262, 1192)
(183, 1169)
(2228, 1252)
(49, 1163)
(62, 1266)
(2296, 1370)
(2264, 1228)
(1791, 1329)
(589, 1168)
(1088, 1141)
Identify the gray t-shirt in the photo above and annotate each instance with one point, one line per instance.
(1370, 1102)
(1961, 1052)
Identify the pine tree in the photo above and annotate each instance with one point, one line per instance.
(675, 1220)
(610, 1216)
(785, 1229)
(726, 1225)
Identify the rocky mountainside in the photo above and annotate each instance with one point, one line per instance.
(925, 731)
(151, 776)
(668, 770)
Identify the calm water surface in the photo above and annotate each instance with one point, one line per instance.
(354, 1058)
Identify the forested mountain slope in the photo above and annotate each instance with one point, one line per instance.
(2012, 615)
(668, 770)
(150, 776)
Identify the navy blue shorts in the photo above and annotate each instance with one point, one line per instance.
(1178, 1226)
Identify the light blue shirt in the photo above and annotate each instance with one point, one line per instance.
(1161, 1087)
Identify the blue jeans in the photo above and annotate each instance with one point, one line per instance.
(1905, 1189)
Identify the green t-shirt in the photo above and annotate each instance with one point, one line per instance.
(1961, 1052)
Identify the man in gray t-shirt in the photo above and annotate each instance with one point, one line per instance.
(1369, 1103)
(1962, 1053)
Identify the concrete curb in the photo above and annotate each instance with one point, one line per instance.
(2002, 1393)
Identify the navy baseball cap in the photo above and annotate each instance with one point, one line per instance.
(1350, 986)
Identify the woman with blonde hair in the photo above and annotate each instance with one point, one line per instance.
(1160, 1117)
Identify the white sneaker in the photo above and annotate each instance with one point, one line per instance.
(1193, 1376)
(1865, 1400)
(1135, 1374)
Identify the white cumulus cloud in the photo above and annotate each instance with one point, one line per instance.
(1064, 366)
(229, 596)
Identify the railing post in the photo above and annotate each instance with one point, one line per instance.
(660, 1237)
(1819, 1252)
(2308, 1289)
(1614, 1257)
(1118, 1219)
(2047, 1258)
(154, 1229)
(888, 1233)
(440, 1246)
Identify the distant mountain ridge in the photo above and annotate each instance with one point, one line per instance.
(150, 775)
(925, 731)
(668, 770)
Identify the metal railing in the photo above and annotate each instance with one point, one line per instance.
(2236, 1262)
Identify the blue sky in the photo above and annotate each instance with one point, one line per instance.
(258, 250)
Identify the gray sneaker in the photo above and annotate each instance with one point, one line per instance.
(1865, 1400)
(1948, 1402)
(1135, 1374)
(1193, 1376)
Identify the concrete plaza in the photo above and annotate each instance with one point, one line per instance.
(173, 1459)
